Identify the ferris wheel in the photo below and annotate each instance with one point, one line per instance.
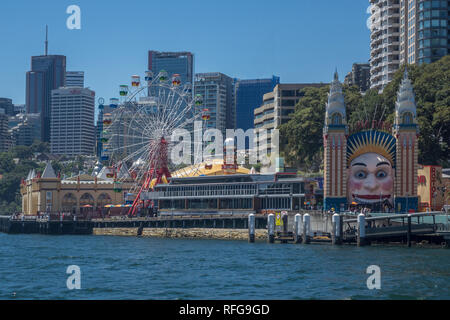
(137, 132)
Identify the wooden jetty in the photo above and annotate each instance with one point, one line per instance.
(304, 228)
(44, 225)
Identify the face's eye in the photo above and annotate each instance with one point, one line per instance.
(381, 174)
(360, 175)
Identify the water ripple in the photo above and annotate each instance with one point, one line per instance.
(34, 267)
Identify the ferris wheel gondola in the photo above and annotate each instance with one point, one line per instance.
(113, 103)
(176, 80)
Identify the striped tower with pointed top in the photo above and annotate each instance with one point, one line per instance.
(406, 131)
(335, 134)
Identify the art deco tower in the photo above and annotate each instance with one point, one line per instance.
(335, 147)
(406, 132)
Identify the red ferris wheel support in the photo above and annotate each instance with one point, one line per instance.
(158, 169)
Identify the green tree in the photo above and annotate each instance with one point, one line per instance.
(22, 152)
(6, 162)
(432, 88)
(39, 146)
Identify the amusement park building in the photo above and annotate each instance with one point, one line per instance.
(395, 184)
(225, 194)
(49, 193)
(433, 188)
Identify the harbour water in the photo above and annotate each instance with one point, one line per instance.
(34, 267)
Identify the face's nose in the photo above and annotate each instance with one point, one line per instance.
(370, 183)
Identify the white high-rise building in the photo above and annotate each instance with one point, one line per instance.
(384, 42)
(75, 79)
(72, 121)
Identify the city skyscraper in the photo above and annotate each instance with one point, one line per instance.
(75, 79)
(72, 121)
(181, 63)
(48, 72)
(384, 42)
(249, 96)
(424, 30)
(406, 32)
(217, 90)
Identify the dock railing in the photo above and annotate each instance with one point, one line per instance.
(422, 217)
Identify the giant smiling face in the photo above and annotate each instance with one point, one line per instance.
(370, 179)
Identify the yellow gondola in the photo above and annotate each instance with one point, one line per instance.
(176, 80)
(135, 81)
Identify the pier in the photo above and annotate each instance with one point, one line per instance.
(51, 225)
(308, 227)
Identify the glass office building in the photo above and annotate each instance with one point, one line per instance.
(433, 30)
(249, 96)
(47, 73)
(181, 63)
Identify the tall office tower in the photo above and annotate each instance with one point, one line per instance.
(47, 73)
(249, 96)
(8, 106)
(75, 79)
(5, 136)
(181, 63)
(359, 76)
(406, 32)
(384, 42)
(72, 121)
(218, 97)
(277, 108)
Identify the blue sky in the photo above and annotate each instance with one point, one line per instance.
(298, 40)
